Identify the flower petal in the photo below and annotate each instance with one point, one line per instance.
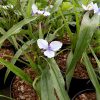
(84, 7)
(98, 11)
(40, 12)
(49, 53)
(90, 6)
(34, 9)
(55, 45)
(46, 13)
(42, 44)
(95, 7)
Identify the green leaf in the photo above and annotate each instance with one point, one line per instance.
(70, 34)
(56, 5)
(58, 80)
(92, 74)
(2, 31)
(16, 70)
(13, 2)
(16, 28)
(18, 53)
(97, 59)
(50, 37)
(66, 6)
(14, 41)
(47, 90)
(87, 30)
(3, 97)
(40, 31)
(29, 7)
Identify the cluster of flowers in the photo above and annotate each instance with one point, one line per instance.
(92, 6)
(35, 10)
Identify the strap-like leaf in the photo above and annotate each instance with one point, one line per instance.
(16, 28)
(87, 30)
(92, 74)
(47, 90)
(58, 80)
(16, 70)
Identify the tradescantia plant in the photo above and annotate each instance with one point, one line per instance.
(88, 27)
(43, 25)
(48, 73)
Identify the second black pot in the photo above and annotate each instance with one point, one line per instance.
(79, 85)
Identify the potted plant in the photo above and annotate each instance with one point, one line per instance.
(42, 34)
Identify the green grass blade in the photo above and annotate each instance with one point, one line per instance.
(20, 51)
(2, 31)
(67, 26)
(3, 97)
(14, 41)
(29, 7)
(16, 70)
(16, 28)
(51, 37)
(97, 60)
(40, 31)
(16, 56)
(56, 5)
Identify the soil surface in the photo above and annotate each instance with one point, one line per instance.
(21, 90)
(29, 54)
(6, 54)
(80, 70)
(61, 60)
(65, 40)
(86, 96)
(6, 43)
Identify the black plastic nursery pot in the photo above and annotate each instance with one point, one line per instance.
(8, 80)
(79, 85)
(86, 94)
(10, 76)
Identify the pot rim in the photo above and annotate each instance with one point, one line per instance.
(82, 91)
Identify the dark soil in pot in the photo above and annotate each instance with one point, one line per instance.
(6, 54)
(65, 40)
(6, 44)
(21, 90)
(61, 60)
(85, 95)
(80, 70)
(29, 54)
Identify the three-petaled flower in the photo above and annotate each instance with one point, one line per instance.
(88, 7)
(49, 49)
(35, 10)
(92, 6)
(96, 9)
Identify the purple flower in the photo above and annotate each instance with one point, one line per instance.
(49, 49)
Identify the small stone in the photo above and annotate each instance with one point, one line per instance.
(22, 97)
